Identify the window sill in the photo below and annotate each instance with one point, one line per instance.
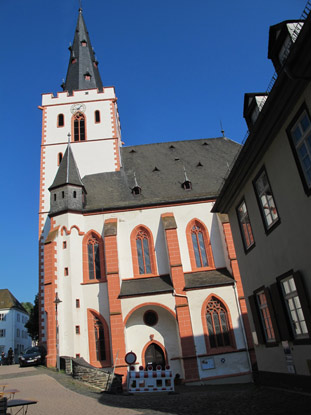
(145, 276)
(93, 282)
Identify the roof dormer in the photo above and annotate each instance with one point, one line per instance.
(253, 104)
(281, 38)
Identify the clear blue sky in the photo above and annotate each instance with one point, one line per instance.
(179, 68)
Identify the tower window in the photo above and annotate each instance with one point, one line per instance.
(97, 116)
(59, 158)
(77, 329)
(60, 120)
(64, 244)
(66, 272)
(74, 194)
(63, 195)
(79, 127)
(77, 303)
(54, 197)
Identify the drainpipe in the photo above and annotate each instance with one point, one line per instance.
(242, 324)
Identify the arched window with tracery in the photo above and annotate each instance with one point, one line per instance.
(218, 329)
(143, 251)
(79, 127)
(200, 249)
(98, 333)
(93, 258)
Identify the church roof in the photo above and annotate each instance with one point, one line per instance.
(82, 70)
(159, 171)
(68, 172)
(8, 301)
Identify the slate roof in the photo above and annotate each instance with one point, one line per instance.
(67, 172)
(82, 61)
(160, 169)
(143, 286)
(213, 278)
(8, 301)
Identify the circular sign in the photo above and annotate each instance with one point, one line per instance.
(130, 358)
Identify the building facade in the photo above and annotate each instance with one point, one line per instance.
(267, 197)
(131, 257)
(13, 318)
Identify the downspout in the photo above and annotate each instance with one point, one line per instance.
(242, 325)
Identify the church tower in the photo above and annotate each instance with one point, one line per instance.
(87, 114)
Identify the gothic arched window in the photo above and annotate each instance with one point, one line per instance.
(93, 258)
(200, 249)
(143, 251)
(98, 339)
(79, 127)
(218, 326)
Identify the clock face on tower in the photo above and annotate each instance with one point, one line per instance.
(77, 108)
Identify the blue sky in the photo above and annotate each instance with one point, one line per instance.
(180, 68)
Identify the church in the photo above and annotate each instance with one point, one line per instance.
(131, 257)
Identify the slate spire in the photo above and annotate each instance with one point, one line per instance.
(82, 70)
(68, 172)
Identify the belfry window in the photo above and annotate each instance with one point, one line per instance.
(79, 127)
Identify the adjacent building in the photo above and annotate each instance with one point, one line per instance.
(13, 318)
(131, 257)
(267, 198)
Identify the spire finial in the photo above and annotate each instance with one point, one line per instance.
(80, 8)
(222, 130)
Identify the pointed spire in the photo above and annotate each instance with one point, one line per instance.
(67, 172)
(82, 70)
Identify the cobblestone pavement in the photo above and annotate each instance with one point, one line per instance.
(58, 393)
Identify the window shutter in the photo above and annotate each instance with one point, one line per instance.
(272, 315)
(280, 313)
(256, 319)
(303, 299)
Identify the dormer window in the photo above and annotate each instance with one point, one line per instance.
(136, 190)
(253, 104)
(83, 43)
(87, 76)
(187, 185)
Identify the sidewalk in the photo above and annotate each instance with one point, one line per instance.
(58, 393)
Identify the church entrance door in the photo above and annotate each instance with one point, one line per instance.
(154, 356)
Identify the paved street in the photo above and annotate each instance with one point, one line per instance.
(57, 393)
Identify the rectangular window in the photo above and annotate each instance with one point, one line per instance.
(265, 316)
(300, 140)
(66, 272)
(18, 317)
(2, 332)
(77, 303)
(2, 317)
(245, 226)
(265, 200)
(18, 333)
(294, 308)
(64, 244)
(77, 329)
